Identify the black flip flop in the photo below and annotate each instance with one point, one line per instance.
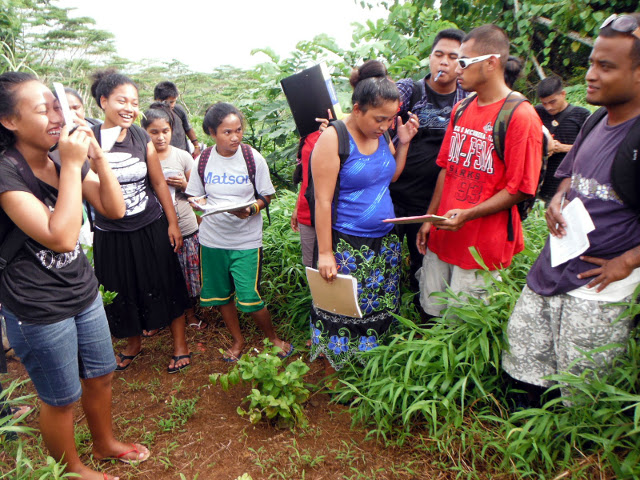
(176, 359)
(122, 357)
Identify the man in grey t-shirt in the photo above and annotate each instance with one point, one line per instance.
(168, 92)
(567, 309)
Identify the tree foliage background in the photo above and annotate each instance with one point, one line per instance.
(550, 36)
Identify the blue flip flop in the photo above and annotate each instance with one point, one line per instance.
(229, 358)
(283, 355)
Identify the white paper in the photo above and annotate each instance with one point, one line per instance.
(575, 241)
(64, 104)
(213, 208)
(168, 173)
(339, 296)
(108, 137)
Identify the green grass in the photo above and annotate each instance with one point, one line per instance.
(442, 389)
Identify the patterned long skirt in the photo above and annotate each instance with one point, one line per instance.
(189, 258)
(375, 263)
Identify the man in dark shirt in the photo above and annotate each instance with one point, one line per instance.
(563, 122)
(573, 307)
(168, 92)
(431, 99)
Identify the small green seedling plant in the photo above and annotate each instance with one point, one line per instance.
(181, 412)
(277, 390)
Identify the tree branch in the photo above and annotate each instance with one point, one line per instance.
(547, 22)
(536, 64)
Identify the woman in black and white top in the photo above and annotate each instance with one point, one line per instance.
(134, 256)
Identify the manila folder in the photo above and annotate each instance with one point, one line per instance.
(339, 297)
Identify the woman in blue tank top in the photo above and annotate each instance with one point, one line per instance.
(358, 243)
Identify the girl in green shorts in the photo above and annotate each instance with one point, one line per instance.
(231, 242)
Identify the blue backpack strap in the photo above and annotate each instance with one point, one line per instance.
(247, 153)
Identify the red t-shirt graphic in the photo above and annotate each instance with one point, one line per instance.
(474, 173)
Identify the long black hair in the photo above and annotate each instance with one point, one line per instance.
(9, 83)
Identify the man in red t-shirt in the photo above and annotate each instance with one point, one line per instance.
(475, 189)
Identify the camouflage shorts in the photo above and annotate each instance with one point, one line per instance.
(546, 335)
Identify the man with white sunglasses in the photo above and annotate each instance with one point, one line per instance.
(575, 307)
(477, 190)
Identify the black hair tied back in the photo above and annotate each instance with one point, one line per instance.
(106, 81)
(216, 113)
(371, 86)
(157, 111)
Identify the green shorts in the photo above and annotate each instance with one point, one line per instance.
(228, 272)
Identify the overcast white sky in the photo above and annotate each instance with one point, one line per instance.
(206, 34)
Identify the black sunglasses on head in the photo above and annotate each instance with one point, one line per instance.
(623, 24)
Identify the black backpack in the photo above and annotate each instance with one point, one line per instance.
(344, 150)
(247, 154)
(15, 239)
(625, 171)
(417, 92)
(500, 126)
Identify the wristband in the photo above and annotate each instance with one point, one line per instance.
(255, 208)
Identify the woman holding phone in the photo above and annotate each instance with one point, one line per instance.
(55, 319)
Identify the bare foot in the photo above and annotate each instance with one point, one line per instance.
(152, 333)
(17, 412)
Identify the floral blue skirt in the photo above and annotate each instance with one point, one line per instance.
(375, 263)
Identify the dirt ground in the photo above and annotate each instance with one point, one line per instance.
(194, 432)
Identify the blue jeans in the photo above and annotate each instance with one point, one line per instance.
(56, 356)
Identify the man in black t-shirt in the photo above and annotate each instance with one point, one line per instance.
(168, 92)
(431, 98)
(563, 122)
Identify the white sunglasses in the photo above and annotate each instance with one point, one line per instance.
(465, 62)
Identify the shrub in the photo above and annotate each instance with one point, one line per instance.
(277, 391)
(443, 386)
